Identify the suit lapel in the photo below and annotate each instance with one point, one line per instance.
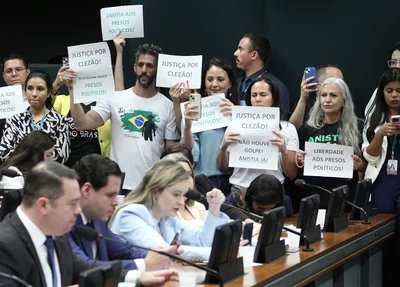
(25, 237)
(85, 244)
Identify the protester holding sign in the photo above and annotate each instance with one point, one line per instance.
(142, 119)
(381, 143)
(217, 78)
(39, 116)
(263, 93)
(332, 120)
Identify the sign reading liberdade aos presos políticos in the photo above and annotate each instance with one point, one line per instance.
(126, 18)
(328, 160)
(177, 69)
(211, 116)
(255, 126)
(95, 80)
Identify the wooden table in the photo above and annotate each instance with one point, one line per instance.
(351, 257)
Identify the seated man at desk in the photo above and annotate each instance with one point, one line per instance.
(32, 245)
(100, 183)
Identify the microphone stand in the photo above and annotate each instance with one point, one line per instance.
(178, 258)
(195, 195)
(306, 249)
(348, 202)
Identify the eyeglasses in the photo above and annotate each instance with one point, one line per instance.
(18, 70)
(393, 63)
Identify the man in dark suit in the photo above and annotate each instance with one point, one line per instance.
(100, 183)
(31, 243)
(251, 56)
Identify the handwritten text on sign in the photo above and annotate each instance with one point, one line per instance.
(211, 116)
(177, 69)
(11, 101)
(126, 18)
(92, 63)
(328, 160)
(255, 126)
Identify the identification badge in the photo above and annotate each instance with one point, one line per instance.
(392, 167)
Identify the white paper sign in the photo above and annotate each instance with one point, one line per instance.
(211, 116)
(177, 69)
(95, 80)
(12, 101)
(328, 160)
(128, 18)
(255, 126)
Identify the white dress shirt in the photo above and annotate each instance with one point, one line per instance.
(38, 238)
(132, 275)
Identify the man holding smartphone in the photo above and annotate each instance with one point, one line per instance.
(251, 56)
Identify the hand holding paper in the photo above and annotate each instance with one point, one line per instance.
(226, 106)
(180, 92)
(119, 42)
(279, 141)
(68, 77)
(230, 138)
(300, 157)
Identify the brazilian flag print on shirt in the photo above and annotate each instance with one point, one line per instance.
(143, 122)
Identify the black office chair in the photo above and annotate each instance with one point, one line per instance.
(11, 200)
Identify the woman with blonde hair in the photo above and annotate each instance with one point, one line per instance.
(192, 212)
(147, 216)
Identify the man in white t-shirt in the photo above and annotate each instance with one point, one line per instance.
(142, 119)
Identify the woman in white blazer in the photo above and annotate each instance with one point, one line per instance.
(381, 144)
(147, 217)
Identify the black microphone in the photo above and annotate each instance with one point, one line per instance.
(9, 172)
(301, 183)
(196, 195)
(13, 277)
(92, 235)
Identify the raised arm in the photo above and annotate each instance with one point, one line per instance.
(90, 120)
(297, 117)
(57, 84)
(119, 43)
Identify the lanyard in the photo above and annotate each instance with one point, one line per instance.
(394, 145)
(40, 123)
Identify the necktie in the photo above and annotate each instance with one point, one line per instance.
(244, 85)
(49, 243)
(94, 247)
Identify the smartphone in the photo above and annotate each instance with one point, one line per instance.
(195, 99)
(65, 61)
(248, 232)
(396, 119)
(311, 72)
(176, 237)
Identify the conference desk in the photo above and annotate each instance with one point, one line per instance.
(351, 257)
